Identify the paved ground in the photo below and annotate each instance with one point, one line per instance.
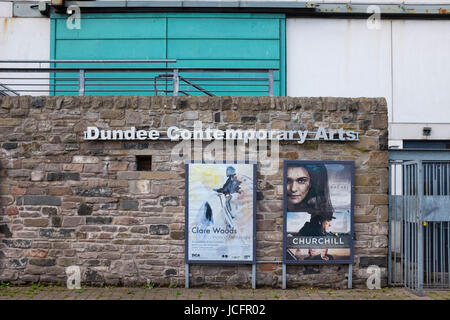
(40, 292)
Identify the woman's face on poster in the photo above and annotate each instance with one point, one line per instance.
(298, 184)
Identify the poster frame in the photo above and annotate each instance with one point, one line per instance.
(186, 216)
(286, 164)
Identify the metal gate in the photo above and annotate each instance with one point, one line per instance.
(419, 217)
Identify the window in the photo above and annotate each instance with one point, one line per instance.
(143, 163)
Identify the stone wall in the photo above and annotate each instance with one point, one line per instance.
(66, 201)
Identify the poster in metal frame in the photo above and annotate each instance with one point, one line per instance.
(212, 204)
(318, 210)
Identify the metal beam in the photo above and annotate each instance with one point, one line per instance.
(133, 69)
(311, 7)
(419, 154)
(94, 61)
(359, 8)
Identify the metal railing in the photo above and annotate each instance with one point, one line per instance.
(419, 225)
(122, 77)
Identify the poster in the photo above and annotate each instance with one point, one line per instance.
(220, 213)
(318, 212)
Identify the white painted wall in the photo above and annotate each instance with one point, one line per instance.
(421, 74)
(5, 9)
(24, 39)
(338, 57)
(406, 61)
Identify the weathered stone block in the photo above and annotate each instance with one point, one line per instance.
(37, 102)
(139, 186)
(118, 166)
(16, 173)
(95, 168)
(49, 211)
(128, 175)
(62, 176)
(12, 211)
(190, 115)
(378, 159)
(169, 201)
(37, 175)
(74, 167)
(18, 191)
(42, 200)
(168, 121)
(230, 116)
(98, 220)
(379, 199)
(84, 210)
(17, 243)
(10, 122)
(156, 175)
(112, 114)
(42, 262)
(139, 229)
(60, 191)
(129, 205)
(159, 229)
(66, 262)
(177, 235)
(94, 192)
(248, 119)
(37, 253)
(10, 145)
(126, 221)
(17, 263)
(380, 121)
(57, 233)
(42, 222)
(72, 221)
(367, 179)
(170, 272)
(366, 261)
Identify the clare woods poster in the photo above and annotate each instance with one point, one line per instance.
(220, 213)
(318, 212)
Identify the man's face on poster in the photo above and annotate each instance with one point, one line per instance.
(298, 184)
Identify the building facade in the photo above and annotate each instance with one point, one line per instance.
(316, 49)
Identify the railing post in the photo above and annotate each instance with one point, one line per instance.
(175, 82)
(186, 276)
(254, 276)
(81, 83)
(349, 276)
(270, 76)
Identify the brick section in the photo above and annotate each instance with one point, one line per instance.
(66, 201)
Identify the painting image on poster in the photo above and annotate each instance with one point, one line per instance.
(318, 212)
(220, 213)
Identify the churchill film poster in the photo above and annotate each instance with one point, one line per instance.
(318, 212)
(220, 213)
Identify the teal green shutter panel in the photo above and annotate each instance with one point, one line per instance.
(196, 40)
